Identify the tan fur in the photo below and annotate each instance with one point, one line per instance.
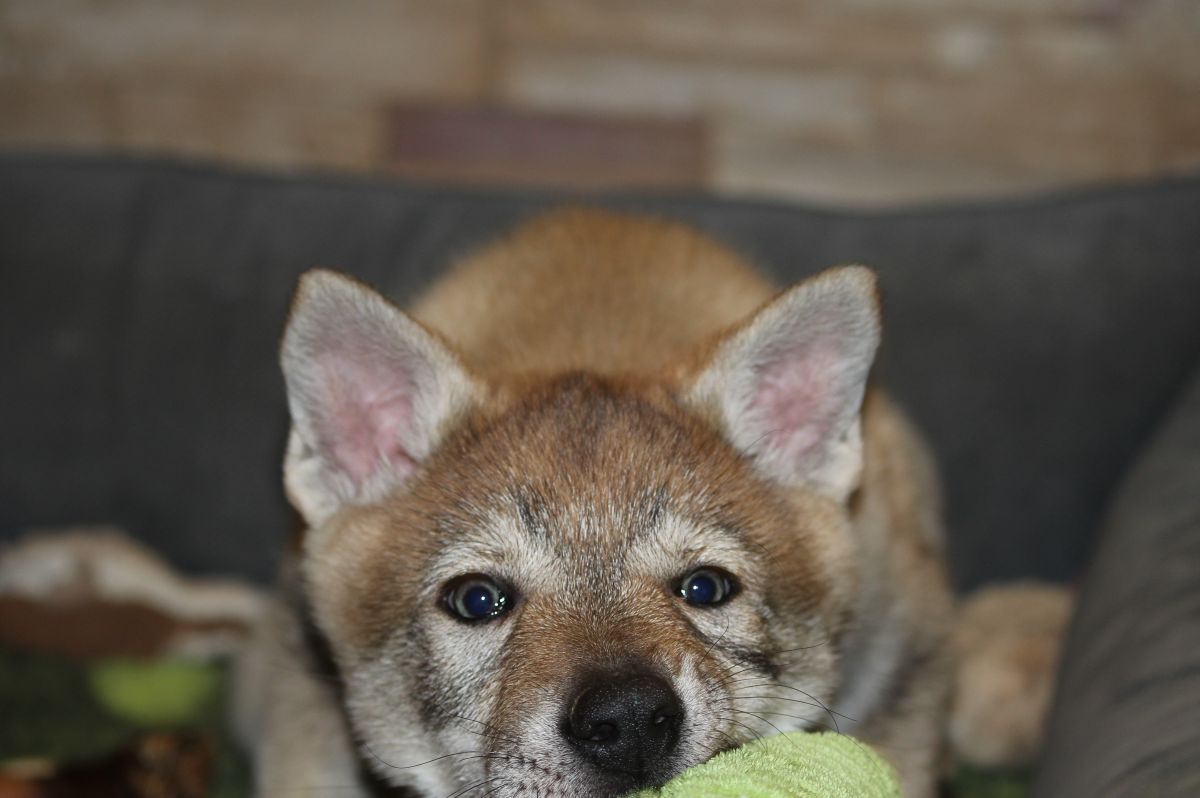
(579, 457)
(580, 290)
(283, 707)
(1008, 641)
(900, 534)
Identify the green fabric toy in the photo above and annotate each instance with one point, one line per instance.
(795, 765)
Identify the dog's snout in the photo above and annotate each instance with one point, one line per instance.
(627, 723)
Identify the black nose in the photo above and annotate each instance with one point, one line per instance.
(627, 722)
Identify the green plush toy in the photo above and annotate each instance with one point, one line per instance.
(796, 765)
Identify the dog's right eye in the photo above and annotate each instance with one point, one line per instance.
(476, 597)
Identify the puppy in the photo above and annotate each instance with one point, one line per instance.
(603, 504)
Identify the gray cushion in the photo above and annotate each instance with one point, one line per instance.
(1126, 721)
(1038, 342)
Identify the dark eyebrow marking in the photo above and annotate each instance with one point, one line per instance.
(531, 507)
(648, 508)
(658, 505)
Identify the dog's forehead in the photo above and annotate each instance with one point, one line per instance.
(608, 453)
(596, 480)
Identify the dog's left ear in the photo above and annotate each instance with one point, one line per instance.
(787, 386)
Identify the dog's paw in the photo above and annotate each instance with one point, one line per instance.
(1008, 641)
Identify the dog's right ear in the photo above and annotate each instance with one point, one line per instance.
(371, 394)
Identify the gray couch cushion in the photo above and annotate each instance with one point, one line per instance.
(1126, 720)
(1037, 342)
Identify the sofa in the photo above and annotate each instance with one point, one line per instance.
(1048, 346)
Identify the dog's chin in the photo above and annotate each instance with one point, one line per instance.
(524, 776)
(571, 786)
(613, 785)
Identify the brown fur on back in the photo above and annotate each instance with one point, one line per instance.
(578, 290)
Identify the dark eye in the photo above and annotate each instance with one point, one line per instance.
(706, 587)
(476, 597)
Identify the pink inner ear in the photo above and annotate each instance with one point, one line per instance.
(796, 400)
(368, 416)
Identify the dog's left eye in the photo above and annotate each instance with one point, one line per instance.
(706, 587)
(476, 597)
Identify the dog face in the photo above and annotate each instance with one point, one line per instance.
(573, 584)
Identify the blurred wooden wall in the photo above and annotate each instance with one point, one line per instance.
(864, 101)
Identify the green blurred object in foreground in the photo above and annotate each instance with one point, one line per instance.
(795, 765)
(155, 693)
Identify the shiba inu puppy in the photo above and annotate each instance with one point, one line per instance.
(603, 504)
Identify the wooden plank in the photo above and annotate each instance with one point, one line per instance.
(489, 145)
